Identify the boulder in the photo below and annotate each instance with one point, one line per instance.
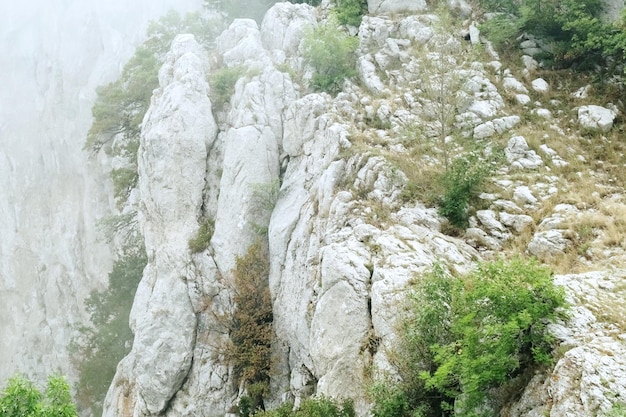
(548, 244)
(540, 85)
(520, 156)
(596, 118)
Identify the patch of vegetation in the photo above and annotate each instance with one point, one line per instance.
(462, 183)
(466, 336)
(201, 241)
(222, 83)
(332, 55)
(251, 325)
(350, 12)
(577, 35)
(98, 347)
(263, 201)
(618, 410)
(311, 407)
(21, 398)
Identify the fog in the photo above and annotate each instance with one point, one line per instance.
(53, 54)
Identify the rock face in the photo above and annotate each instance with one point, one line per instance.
(53, 55)
(283, 165)
(335, 279)
(586, 380)
(313, 177)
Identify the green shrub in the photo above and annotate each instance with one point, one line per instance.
(502, 30)
(390, 401)
(579, 38)
(201, 241)
(465, 336)
(618, 410)
(350, 12)
(223, 83)
(462, 183)
(496, 320)
(251, 324)
(124, 181)
(313, 407)
(332, 55)
(98, 348)
(21, 398)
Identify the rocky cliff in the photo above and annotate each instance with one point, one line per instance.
(343, 241)
(53, 55)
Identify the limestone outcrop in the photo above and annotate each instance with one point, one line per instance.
(320, 181)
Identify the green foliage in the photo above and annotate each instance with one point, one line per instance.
(251, 324)
(124, 180)
(478, 332)
(264, 198)
(618, 410)
(462, 183)
(331, 53)
(201, 241)
(502, 30)
(579, 38)
(350, 12)
(21, 398)
(223, 83)
(313, 407)
(99, 347)
(390, 401)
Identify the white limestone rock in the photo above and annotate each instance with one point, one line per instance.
(596, 117)
(582, 92)
(522, 195)
(540, 85)
(520, 156)
(522, 99)
(518, 222)
(460, 7)
(530, 63)
(395, 6)
(171, 162)
(548, 244)
(474, 34)
(495, 126)
(415, 28)
(284, 25)
(543, 113)
(368, 75)
(590, 376)
(514, 85)
(478, 238)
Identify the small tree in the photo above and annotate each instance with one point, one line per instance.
(22, 399)
(332, 55)
(98, 347)
(465, 336)
(251, 324)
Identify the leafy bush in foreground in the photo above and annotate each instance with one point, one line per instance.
(22, 399)
(466, 336)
